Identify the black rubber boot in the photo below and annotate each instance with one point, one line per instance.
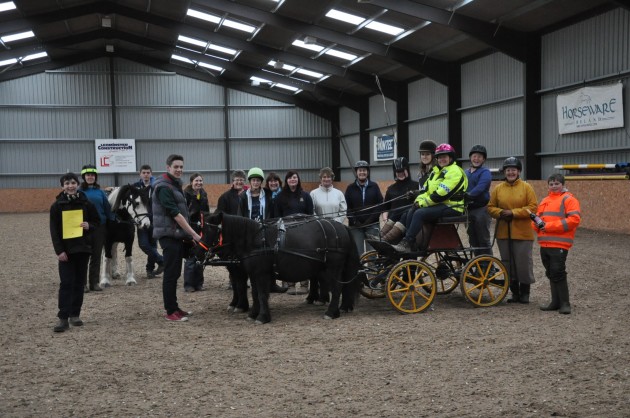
(554, 305)
(563, 296)
(62, 325)
(515, 289)
(524, 293)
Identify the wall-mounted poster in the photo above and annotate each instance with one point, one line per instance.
(384, 147)
(590, 108)
(115, 155)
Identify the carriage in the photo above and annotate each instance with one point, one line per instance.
(411, 281)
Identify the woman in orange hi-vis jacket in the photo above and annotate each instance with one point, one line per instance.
(560, 212)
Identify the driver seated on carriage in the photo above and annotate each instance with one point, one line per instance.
(442, 196)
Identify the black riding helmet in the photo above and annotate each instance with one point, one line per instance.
(400, 164)
(478, 149)
(512, 162)
(427, 146)
(361, 164)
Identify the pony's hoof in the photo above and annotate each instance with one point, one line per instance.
(104, 284)
(116, 276)
(250, 319)
(230, 309)
(131, 283)
(328, 317)
(319, 303)
(259, 322)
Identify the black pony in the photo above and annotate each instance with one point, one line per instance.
(130, 205)
(290, 249)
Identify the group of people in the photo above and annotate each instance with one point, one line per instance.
(444, 189)
(80, 213)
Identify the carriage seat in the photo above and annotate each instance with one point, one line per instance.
(453, 219)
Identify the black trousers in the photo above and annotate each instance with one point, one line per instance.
(555, 262)
(172, 252)
(73, 276)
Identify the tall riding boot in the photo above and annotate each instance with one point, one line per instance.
(554, 305)
(395, 234)
(563, 295)
(514, 287)
(387, 226)
(524, 293)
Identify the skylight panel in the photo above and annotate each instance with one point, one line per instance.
(35, 56)
(286, 87)
(180, 58)
(340, 54)
(260, 80)
(210, 66)
(8, 62)
(345, 17)
(193, 41)
(18, 36)
(7, 6)
(203, 16)
(310, 73)
(239, 26)
(223, 49)
(382, 27)
(312, 47)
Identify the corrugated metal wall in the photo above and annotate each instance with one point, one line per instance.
(492, 107)
(48, 123)
(349, 135)
(428, 117)
(577, 56)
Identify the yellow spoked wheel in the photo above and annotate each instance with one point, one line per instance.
(375, 268)
(411, 286)
(484, 281)
(446, 272)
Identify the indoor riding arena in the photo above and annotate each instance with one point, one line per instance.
(297, 85)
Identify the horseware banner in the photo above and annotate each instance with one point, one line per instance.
(384, 147)
(590, 108)
(115, 155)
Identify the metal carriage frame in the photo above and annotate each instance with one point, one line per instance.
(412, 280)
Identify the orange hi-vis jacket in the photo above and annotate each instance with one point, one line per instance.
(561, 213)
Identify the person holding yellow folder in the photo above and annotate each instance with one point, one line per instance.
(72, 220)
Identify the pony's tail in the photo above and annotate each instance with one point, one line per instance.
(351, 279)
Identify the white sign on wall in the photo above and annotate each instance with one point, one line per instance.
(590, 108)
(384, 147)
(115, 155)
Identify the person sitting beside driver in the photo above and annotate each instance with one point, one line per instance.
(442, 196)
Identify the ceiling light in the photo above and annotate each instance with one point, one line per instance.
(340, 54)
(255, 83)
(180, 58)
(109, 48)
(8, 62)
(301, 44)
(382, 27)
(203, 16)
(310, 40)
(106, 22)
(260, 80)
(278, 65)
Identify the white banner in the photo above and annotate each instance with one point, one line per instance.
(590, 108)
(384, 147)
(115, 155)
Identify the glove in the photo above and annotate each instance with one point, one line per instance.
(467, 198)
(412, 194)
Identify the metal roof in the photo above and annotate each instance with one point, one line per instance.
(348, 59)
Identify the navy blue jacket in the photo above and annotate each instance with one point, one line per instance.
(354, 198)
(478, 187)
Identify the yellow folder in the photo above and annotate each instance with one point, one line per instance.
(71, 223)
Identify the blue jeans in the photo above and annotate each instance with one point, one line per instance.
(173, 250)
(423, 215)
(148, 245)
(358, 236)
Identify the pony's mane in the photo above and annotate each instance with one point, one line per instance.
(119, 196)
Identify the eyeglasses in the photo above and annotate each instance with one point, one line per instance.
(239, 180)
